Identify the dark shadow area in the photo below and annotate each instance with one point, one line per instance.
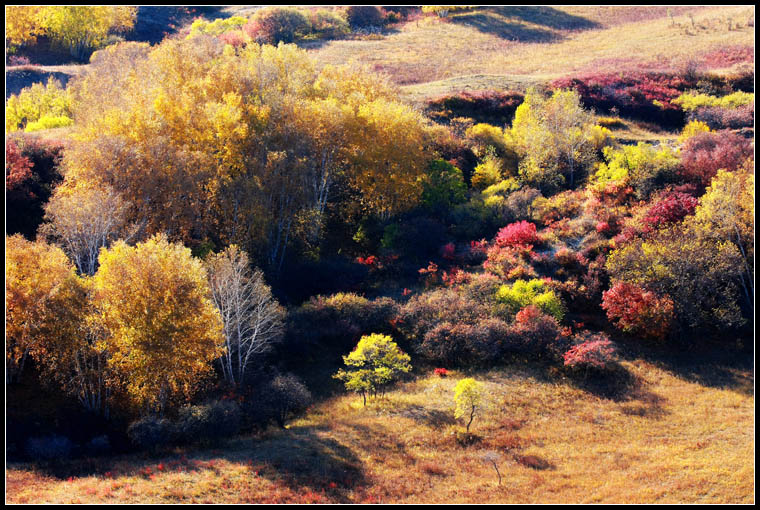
(434, 418)
(616, 384)
(548, 17)
(297, 457)
(21, 77)
(714, 364)
(153, 22)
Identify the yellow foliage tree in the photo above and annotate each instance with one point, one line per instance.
(162, 329)
(21, 25)
(36, 276)
(82, 28)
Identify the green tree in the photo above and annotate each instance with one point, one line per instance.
(373, 365)
(469, 399)
(444, 186)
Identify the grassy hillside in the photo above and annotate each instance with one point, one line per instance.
(519, 46)
(669, 435)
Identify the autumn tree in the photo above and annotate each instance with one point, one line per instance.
(373, 365)
(82, 28)
(36, 276)
(162, 329)
(242, 146)
(469, 400)
(698, 273)
(553, 135)
(21, 25)
(252, 318)
(84, 217)
(726, 213)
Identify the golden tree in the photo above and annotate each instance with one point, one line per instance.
(36, 276)
(162, 329)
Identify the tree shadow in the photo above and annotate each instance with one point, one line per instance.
(548, 20)
(711, 364)
(298, 458)
(434, 418)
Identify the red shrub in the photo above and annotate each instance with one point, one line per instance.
(18, 168)
(706, 153)
(646, 96)
(522, 233)
(590, 351)
(671, 207)
(448, 251)
(636, 310)
(441, 372)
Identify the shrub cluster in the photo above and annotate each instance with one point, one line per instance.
(338, 321)
(488, 106)
(645, 96)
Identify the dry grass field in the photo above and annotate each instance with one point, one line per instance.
(668, 436)
(513, 47)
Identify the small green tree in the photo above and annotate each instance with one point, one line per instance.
(468, 396)
(373, 365)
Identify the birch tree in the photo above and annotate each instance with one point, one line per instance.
(252, 319)
(83, 218)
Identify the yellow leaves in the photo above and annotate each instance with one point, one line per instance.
(163, 329)
(35, 274)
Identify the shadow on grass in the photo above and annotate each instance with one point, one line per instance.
(547, 19)
(712, 364)
(298, 458)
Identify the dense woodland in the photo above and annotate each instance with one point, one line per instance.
(207, 235)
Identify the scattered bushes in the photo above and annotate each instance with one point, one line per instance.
(691, 101)
(462, 345)
(337, 321)
(590, 352)
(536, 334)
(489, 106)
(444, 187)
(520, 234)
(725, 118)
(523, 293)
(39, 107)
(425, 311)
(277, 24)
(643, 167)
(284, 397)
(670, 207)
(364, 16)
(645, 96)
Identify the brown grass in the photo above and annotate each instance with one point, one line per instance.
(505, 47)
(669, 439)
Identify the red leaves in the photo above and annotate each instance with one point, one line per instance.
(595, 351)
(636, 310)
(18, 168)
(672, 207)
(522, 233)
(704, 154)
(441, 372)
